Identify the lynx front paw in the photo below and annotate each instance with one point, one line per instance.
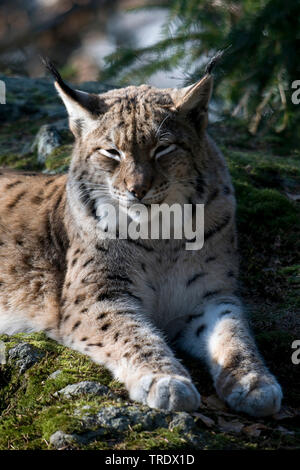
(262, 399)
(171, 393)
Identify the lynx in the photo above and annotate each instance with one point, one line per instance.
(127, 302)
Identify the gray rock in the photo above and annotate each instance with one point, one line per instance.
(110, 419)
(55, 374)
(60, 440)
(46, 140)
(84, 388)
(182, 421)
(119, 419)
(25, 356)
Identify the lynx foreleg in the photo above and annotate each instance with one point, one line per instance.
(220, 336)
(116, 335)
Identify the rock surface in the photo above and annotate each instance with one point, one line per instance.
(55, 374)
(83, 388)
(183, 421)
(113, 420)
(122, 418)
(60, 439)
(25, 356)
(47, 139)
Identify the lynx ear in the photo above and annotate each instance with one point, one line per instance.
(195, 96)
(83, 108)
(193, 100)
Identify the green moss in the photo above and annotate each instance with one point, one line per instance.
(266, 208)
(59, 159)
(268, 222)
(31, 413)
(27, 162)
(28, 405)
(161, 439)
(58, 417)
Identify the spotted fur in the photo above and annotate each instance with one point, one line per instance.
(122, 302)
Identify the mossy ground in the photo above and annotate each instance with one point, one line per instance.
(267, 182)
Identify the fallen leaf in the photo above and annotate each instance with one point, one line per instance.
(254, 430)
(205, 419)
(230, 426)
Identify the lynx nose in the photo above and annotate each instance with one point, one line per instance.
(138, 192)
(139, 180)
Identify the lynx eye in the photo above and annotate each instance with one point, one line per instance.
(163, 150)
(111, 153)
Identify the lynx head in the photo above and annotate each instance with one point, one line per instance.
(137, 144)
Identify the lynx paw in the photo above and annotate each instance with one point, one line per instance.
(262, 400)
(171, 393)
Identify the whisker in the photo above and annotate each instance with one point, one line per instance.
(161, 124)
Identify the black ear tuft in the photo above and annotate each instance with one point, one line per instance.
(56, 75)
(51, 68)
(215, 60)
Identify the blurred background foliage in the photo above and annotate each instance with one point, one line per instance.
(261, 39)
(168, 43)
